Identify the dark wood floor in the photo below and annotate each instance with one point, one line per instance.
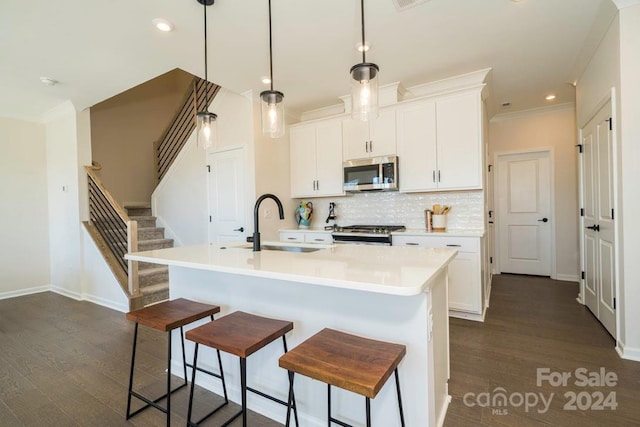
(65, 362)
(536, 323)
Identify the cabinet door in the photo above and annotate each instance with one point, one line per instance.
(303, 160)
(355, 137)
(465, 287)
(329, 158)
(459, 124)
(382, 134)
(417, 146)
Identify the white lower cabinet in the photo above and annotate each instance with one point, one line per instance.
(301, 236)
(466, 281)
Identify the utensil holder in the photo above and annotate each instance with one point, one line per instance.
(439, 222)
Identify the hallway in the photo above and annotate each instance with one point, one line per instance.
(533, 323)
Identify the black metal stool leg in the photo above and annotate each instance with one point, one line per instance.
(169, 379)
(329, 404)
(368, 403)
(224, 383)
(133, 359)
(243, 385)
(193, 383)
(290, 399)
(184, 356)
(399, 398)
(293, 396)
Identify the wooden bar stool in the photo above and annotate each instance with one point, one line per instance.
(167, 316)
(240, 334)
(346, 361)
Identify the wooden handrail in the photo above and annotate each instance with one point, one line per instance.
(116, 238)
(181, 127)
(115, 205)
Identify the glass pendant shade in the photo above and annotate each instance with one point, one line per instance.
(206, 129)
(272, 106)
(364, 91)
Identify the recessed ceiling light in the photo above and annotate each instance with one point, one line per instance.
(162, 25)
(266, 80)
(366, 46)
(48, 81)
(550, 97)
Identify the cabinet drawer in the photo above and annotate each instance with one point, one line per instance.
(462, 244)
(291, 236)
(325, 238)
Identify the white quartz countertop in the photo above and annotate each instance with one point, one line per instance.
(381, 269)
(305, 230)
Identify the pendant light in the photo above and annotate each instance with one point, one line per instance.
(364, 84)
(205, 120)
(272, 100)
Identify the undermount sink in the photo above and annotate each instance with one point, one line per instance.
(286, 248)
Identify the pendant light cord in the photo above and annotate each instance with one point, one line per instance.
(362, 19)
(206, 62)
(270, 49)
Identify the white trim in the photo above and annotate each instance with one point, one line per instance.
(629, 353)
(451, 84)
(552, 207)
(567, 277)
(532, 112)
(67, 293)
(443, 411)
(27, 291)
(113, 305)
(621, 4)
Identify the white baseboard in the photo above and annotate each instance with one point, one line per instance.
(114, 305)
(629, 353)
(567, 277)
(22, 292)
(443, 411)
(66, 292)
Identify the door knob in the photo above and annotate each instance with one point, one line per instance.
(241, 229)
(543, 220)
(594, 227)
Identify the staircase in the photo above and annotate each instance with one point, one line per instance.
(153, 279)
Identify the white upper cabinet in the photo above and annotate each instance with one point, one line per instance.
(316, 159)
(370, 139)
(459, 127)
(440, 143)
(417, 152)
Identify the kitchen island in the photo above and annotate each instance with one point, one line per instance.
(394, 294)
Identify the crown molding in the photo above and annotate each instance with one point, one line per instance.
(532, 112)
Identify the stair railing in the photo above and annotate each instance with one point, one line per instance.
(119, 232)
(180, 129)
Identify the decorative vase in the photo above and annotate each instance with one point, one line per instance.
(303, 214)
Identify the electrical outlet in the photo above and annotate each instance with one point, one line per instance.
(267, 214)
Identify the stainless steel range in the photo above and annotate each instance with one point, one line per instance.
(366, 234)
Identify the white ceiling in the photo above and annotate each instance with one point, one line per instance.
(98, 49)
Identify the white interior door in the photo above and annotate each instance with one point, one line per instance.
(598, 249)
(524, 213)
(227, 196)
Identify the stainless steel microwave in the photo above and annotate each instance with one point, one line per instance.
(374, 174)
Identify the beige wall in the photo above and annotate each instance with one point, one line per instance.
(557, 129)
(24, 225)
(124, 129)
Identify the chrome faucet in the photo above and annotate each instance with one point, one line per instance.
(256, 231)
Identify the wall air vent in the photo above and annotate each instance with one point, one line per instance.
(407, 4)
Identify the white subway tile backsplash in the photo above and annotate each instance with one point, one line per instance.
(402, 208)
